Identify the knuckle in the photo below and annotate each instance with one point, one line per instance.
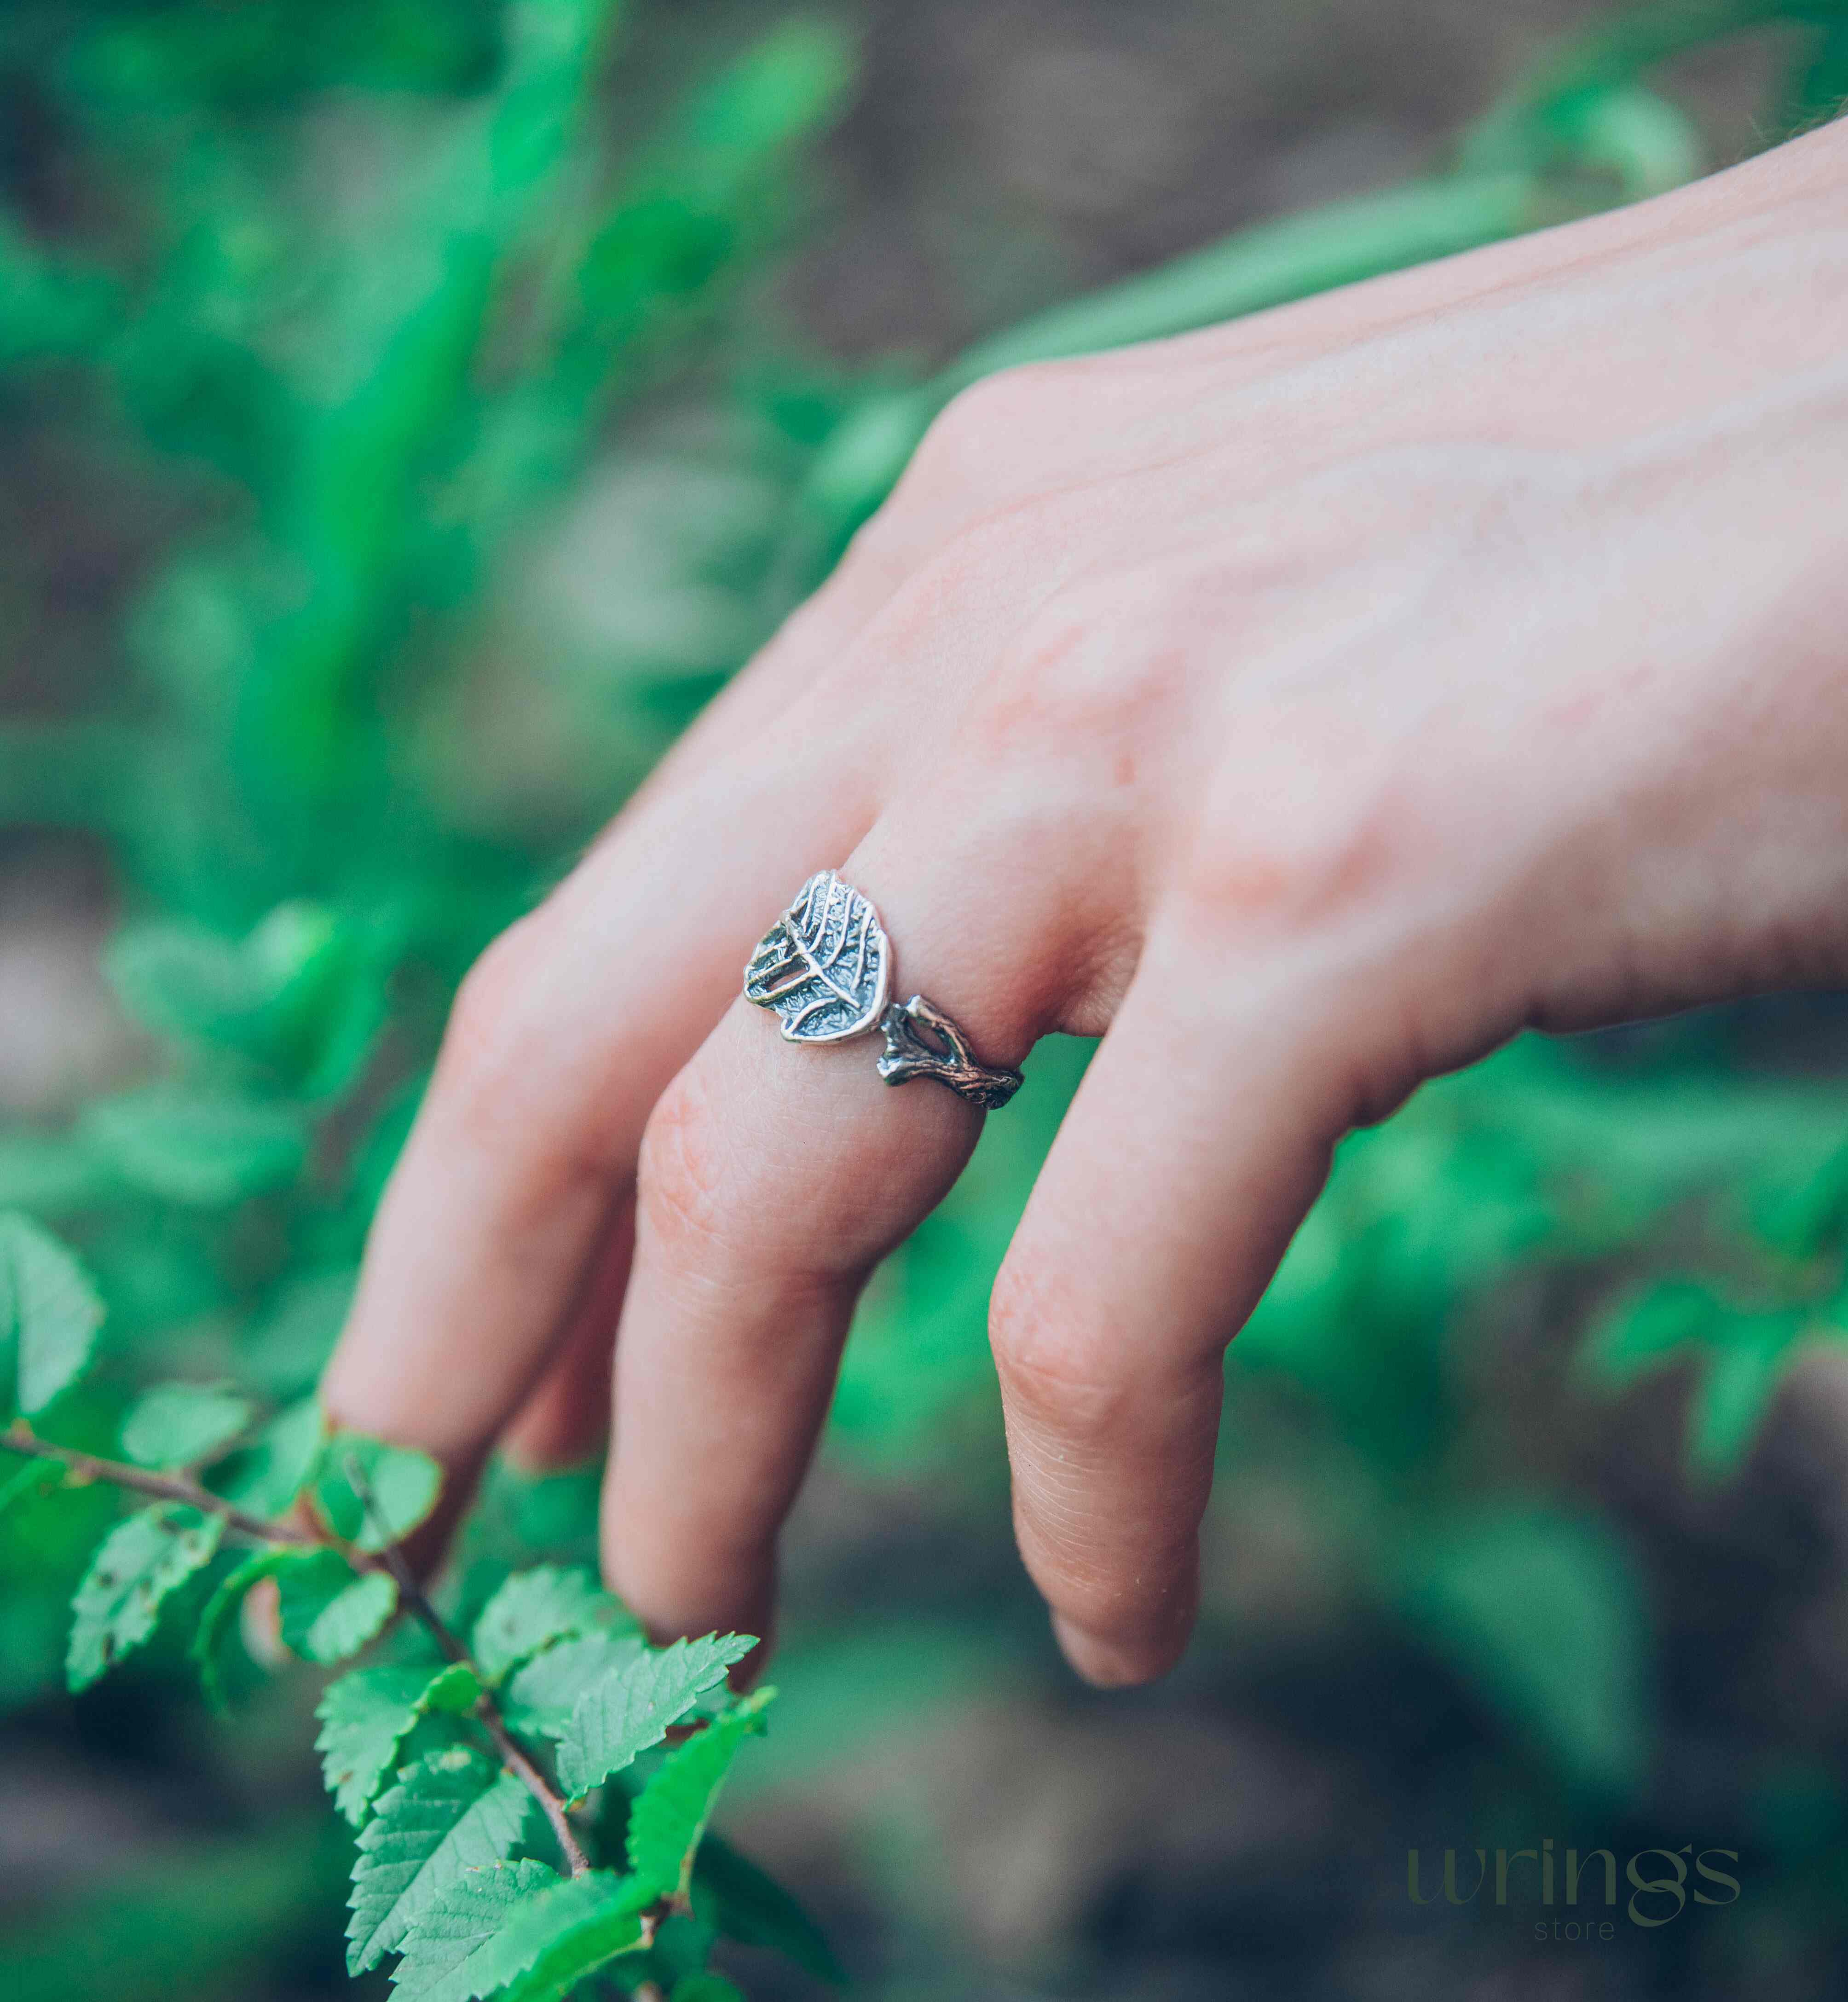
(973, 451)
(1313, 836)
(493, 1022)
(683, 1195)
(1091, 673)
(1056, 1382)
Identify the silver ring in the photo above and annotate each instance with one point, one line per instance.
(825, 968)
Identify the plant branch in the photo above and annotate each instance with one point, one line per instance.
(86, 1467)
(487, 1712)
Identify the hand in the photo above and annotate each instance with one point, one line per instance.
(1307, 706)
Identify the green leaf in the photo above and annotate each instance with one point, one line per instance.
(541, 1696)
(533, 1609)
(293, 994)
(1742, 1357)
(264, 1478)
(178, 1425)
(136, 1566)
(227, 1596)
(706, 1987)
(372, 1495)
(365, 1715)
(1649, 1331)
(328, 1610)
(288, 1348)
(452, 1812)
(521, 1932)
(1741, 1376)
(670, 1814)
(465, 1923)
(617, 1719)
(207, 1150)
(26, 1483)
(749, 1906)
(51, 1311)
(1544, 1612)
(52, 1175)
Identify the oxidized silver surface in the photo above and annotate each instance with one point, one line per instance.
(825, 968)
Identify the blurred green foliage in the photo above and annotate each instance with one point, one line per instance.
(391, 318)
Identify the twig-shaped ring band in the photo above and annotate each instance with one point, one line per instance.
(825, 968)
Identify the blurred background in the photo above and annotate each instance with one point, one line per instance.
(411, 412)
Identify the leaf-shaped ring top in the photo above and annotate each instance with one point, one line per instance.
(825, 966)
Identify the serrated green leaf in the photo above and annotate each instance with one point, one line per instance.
(541, 1696)
(207, 1150)
(226, 1597)
(670, 1814)
(534, 1609)
(178, 1425)
(372, 1495)
(462, 1925)
(451, 1812)
(365, 1715)
(749, 1906)
(265, 1477)
(617, 1719)
(328, 1610)
(51, 1312)
(136, 1566)
(520, 1932)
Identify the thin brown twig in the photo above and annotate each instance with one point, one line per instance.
(487, 1713)
(87, 1466)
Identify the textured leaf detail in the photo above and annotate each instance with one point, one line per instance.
(136, 1566)
(670, 1814)
(617, 1718)
(747, 1905)
(825, 966)
(328, 1611)
(534, 1609)
(364, 1717)
(51, 1310)
(178, 1425)
(372, 1495)
(464, 1923)
(205, 1150)
(451, 1812)
(203, 1648)
(266, 1475)
(541, 1696)
(520, 1932)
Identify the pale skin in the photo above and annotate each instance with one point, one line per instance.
(1305, 706)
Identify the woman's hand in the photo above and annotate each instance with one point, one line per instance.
(1306, 706)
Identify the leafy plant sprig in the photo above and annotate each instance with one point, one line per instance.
(483, 1874)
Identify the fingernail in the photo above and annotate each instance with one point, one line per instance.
(1105, 1664)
